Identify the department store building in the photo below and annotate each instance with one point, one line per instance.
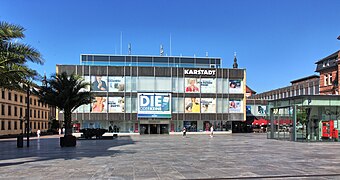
(159, 94)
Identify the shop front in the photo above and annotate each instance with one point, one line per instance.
(305, 118)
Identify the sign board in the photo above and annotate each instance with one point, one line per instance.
(207, 72)
(154, 105)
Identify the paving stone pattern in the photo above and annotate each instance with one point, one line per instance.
(236, 156)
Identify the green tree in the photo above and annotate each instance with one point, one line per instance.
(14, 55)
(67, 92)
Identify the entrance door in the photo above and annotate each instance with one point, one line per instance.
(154, 128)
(144, 129)
(164, 129)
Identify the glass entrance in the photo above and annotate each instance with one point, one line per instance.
(154, 129)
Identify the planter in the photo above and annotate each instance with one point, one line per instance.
(68, 141)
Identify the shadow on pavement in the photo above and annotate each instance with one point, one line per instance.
(48, 149)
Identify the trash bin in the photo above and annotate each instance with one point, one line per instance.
(20, 141)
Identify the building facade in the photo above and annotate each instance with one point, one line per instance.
(13, 108)
(159, 94)
(328, 68)
(304, 86)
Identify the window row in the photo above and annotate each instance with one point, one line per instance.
(165, 84)
(21, 112)
(178, 105)
(16, 125)
(312, 90)
(21, 99)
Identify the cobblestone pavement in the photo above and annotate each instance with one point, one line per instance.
(236, 156)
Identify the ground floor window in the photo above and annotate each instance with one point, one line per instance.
(190, 126)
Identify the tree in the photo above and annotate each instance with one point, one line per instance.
(67, 93)
(14, 56)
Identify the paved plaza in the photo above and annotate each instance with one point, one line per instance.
(235, 156)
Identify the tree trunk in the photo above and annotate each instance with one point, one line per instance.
(68, 122)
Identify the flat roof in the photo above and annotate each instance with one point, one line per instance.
(305, 78)
(206, 57)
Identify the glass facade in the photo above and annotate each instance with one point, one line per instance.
(305, 118)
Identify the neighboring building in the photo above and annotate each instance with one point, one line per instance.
(328, 68)
(304, 86)
(13, 107)
(159, 94)
(249, 92)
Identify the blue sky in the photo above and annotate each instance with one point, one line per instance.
(276, 41)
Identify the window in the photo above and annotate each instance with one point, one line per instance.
(3, 94)
(2, 109)
(330, 79)
(35, 102)
(325, 80)
(9, 110)
(15, 125)
(35, 113)
(42, 114)
(20, 112)
(35, 125)
(20, 125)
(38, 103)
(30, 112)
(9, 125)
(15, 111)
(15, 97)
(38, 114)
(38, 125)
(21, 98)
(2, 125)
(9, 96)
(46, 115)
(31, 101)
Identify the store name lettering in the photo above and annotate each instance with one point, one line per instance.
(200, 72)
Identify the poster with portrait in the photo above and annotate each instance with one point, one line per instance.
(99, 105)
(248, 110)
(208, 85)
(235, 106)
(192, 85)
(116, 83)
(116, 104)
(261, 110)
(235, 86)
(99, 83)
(208, 105)
(192, 105)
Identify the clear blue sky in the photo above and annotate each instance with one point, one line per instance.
(276, 40)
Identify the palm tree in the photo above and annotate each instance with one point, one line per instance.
(14, 55)
(67, 93)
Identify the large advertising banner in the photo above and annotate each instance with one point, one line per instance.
(99, 83)
(116, 104)
(192, 85)
(235, 86)
(208, 85)
(208, 105)
(99, 105)
(116, 84)
(192, 105)
(154, 105)
(235, 106)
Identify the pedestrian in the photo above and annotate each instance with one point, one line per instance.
(38, 133)
(184, 131)
(59, 131)
(212, 131)
(63, 131)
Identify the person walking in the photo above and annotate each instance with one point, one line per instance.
(38, 133)
(59, 131)
(184, 131)
(212, 131)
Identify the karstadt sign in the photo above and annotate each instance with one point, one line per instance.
(210, 72)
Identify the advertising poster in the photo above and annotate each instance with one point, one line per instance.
(261, 110)
(192, 85)
(154, 105)
(208, 85)
(84, 108)
(248, 109)
(99, 105)
(235, 106)
(98, 83)
(192, 105)
(116, 104)
(235, 86)
(208, 105)
(116, 84)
